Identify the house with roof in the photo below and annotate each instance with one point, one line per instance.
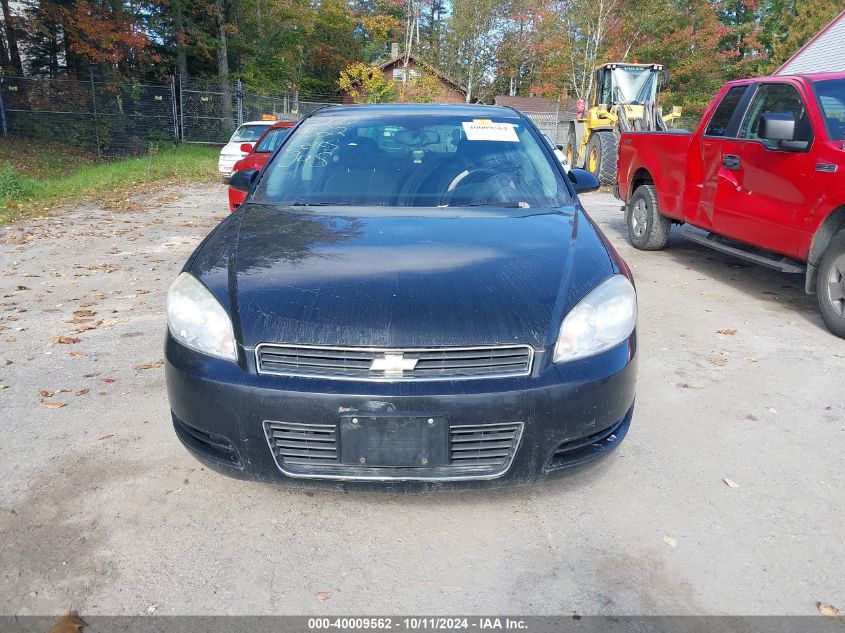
(407, 67)
(823, 53)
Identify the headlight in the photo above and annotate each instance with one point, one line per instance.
(197, 320)
(600, 321)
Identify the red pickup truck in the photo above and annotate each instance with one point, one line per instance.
(762, 177)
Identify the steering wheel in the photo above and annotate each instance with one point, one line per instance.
(473, 180)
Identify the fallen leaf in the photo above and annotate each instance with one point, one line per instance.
(3, 387)
(76, 354)
(53, 405)
(105, 437)
(91, 375)
(83, 313)
(143, 366)
(108, 380)
(731, 483)
(70, 622)
(728, 332)
(827, 609)
(719, 361)
(81, 392)
(22, 288)
(322, 596)
(45, 394)
(671, 542)
(65, 340)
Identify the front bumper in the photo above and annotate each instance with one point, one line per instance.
(567, 415)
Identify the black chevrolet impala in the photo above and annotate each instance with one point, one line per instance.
(409, 293)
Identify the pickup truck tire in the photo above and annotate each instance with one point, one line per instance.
(831, 285)
(647, 229)
(602, 153)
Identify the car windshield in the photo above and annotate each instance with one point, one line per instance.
(412, 159)
(831, 94)
(248, 133)
(272, 139)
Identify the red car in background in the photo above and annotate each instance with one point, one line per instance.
(258, 155)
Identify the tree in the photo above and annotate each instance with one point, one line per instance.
(367, 84)
(12, 57)
(471, 38)
(788, 24)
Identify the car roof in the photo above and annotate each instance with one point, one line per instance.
(256, 123)
(282, 124)
(801, 76)
(412, 109)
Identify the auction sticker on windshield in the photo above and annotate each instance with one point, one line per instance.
(487, 130)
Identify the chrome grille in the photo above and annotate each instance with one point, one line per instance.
(354, 363)
(489, 445)
(303, 444)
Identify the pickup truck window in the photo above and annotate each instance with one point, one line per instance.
(831, 96)
(776, 97)
(718, 124)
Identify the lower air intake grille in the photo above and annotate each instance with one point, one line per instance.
(488, 445)
(303, 444)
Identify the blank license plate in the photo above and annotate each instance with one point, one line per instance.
(397, 441)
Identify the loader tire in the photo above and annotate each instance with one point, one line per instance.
(647, 229)
(601, 156)
(830, 289)
(570, 147)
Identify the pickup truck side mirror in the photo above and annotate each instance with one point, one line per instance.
(777, 126)
(242, 179)
(583, 181)
(780, 127)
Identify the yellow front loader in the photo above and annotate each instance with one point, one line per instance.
(624, 98)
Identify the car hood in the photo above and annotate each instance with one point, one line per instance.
(255, 160)
(378, 278)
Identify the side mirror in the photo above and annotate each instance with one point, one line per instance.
(560, 147)
(246, 147)
(243, 179)
(583, 181)
(776, 126)
(780, 127)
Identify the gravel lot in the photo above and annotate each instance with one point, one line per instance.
(726, 497)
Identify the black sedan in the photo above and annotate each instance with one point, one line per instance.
(409, 293)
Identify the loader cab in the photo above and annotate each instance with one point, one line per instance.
(628, 84)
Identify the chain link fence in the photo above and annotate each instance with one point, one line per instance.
(107, 118)
(115, 119)
(210, 110)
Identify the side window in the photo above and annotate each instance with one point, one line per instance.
(776, 98)
(718, 124)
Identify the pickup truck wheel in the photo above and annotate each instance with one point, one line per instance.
(601, 156)
(647, 229)
(831, 285)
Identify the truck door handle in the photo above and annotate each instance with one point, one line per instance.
(730, 161)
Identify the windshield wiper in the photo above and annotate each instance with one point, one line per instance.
(503, 205)
(320, 204)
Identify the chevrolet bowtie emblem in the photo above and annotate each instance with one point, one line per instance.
(393, 365)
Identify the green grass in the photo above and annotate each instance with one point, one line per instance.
(22, 194)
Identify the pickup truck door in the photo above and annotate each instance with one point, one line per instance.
(708, 181)
(766, 187)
